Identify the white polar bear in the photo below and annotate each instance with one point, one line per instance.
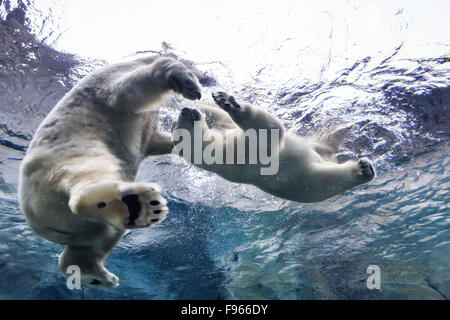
(306, 171)
(76, 181)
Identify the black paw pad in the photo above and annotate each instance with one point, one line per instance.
(134, 207)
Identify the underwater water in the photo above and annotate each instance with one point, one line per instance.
(376, 77)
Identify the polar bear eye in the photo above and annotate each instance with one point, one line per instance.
(101, 205)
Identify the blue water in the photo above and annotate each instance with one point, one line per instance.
(227, 241)
(400, 222)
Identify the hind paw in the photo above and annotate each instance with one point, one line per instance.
(122, 204)
(146, 206)
(366, 168)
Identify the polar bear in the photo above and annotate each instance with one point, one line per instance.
(77, 184)
(306, 171)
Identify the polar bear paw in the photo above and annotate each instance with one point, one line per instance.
(103, 279)
(366, 168)
(122, 204)
(89, 264)
(146, 206)
(226, 102)
(183, 81)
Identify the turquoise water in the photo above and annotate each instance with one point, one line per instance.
(227, 241)
(399, 222)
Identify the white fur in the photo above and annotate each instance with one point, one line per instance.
(82, 161)
(306, 172)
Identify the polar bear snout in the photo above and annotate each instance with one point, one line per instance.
(191, 114)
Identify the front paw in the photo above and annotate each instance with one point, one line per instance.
(183, 81)
(226, 102)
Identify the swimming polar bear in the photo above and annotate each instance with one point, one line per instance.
(305, 170)
(77, 184)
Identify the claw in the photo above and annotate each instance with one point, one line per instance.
(225, 101)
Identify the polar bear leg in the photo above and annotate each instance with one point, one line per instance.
(124, 205)
(147, 84)
(326, 152)
(339, 177)
(89, 260)
(247, 116)
(160, 144)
